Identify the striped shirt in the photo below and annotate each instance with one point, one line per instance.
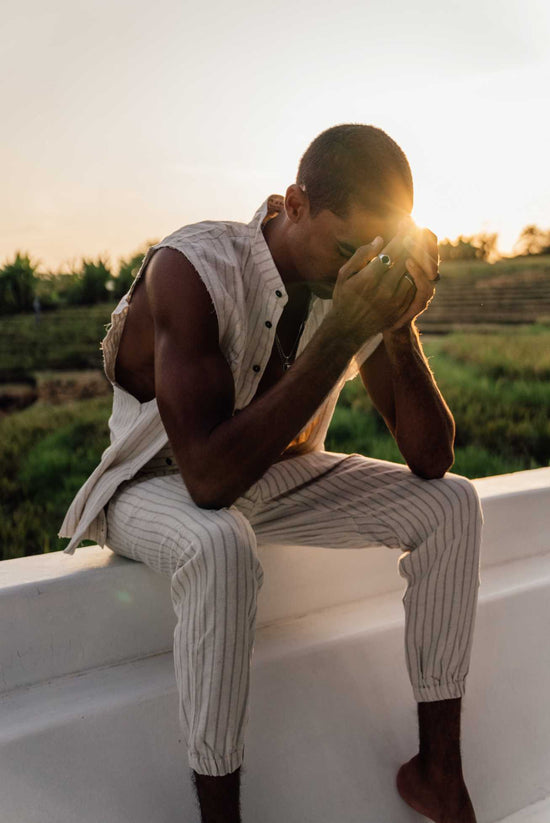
(248, 295)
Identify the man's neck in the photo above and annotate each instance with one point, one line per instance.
(274, 235)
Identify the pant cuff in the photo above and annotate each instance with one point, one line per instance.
(439, 691)
(216, 765)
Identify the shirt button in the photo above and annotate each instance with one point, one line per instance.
(169, 461)
(268, 323)
(279, 293)
(256, 368)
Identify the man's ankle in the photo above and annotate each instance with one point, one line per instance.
(219, 797)
(439, 733)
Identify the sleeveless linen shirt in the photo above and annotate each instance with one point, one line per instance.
(248, 296)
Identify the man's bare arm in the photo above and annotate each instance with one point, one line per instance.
(220, 455)
(401, 385)
(376, 377)
(399, 379)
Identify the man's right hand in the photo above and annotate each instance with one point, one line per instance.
(368, 297)
(220, 454)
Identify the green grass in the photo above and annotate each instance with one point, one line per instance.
(522, 354)
(67, 338)
(501, 409)
(496, 384)
(476, 269)
(46, 454)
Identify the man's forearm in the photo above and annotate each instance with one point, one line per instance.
(424, 425)
(239, 450)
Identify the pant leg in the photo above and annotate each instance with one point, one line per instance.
(215, 577)
(350, 501)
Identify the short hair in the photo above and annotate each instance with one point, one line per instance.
(355, 163)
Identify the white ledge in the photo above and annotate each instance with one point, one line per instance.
(88, 694)
(64, 614)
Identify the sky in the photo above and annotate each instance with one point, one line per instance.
(124, 120)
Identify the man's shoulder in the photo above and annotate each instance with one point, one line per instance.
(212, 241)
(209, 230)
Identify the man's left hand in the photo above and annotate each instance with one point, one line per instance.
(423, 269)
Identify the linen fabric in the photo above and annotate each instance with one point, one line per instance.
(319, 499)
(137, 504)
(236, 266)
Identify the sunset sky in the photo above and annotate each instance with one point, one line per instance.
(124, 120)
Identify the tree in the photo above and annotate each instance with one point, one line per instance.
(482, 246)
(486, 245)
(459, 249)
(533, 240)
(89, 285)
(17, 284)
(127, 270)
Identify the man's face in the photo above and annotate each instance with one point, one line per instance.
(326, 241)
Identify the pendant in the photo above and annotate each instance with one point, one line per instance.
(286, 365)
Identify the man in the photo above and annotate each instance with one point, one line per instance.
(226, 357)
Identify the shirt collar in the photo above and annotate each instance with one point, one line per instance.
(262, 255)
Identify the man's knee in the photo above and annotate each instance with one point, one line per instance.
(220, 544)
(450, 507)
(463, 496)
(460, 517)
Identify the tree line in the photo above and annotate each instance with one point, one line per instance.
(483, 246)
(24, 288)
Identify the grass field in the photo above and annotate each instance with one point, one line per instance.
(470, 294)
(46, 453)
(64, 339)
(502, 414)
(475, 295)
(496, 384)
(463, 269)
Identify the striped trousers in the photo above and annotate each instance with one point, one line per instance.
(319, 499)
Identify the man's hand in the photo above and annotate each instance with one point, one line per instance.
(423, 267)
(369, 298)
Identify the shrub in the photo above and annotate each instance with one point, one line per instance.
(17, 285)
(46, 453)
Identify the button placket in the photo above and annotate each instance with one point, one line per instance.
(275, 309)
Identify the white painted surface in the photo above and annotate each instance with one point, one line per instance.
(537, 813)
(332, 714)
(63, 614)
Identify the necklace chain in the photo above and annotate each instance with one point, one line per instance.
(287, 358)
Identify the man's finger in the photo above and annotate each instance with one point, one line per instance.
(405, 292)
(424, 250)
(361, 258)
(425, 287)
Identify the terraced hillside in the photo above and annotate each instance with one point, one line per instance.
(511, 291)
(469, 295)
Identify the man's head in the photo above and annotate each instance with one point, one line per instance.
(354, 164)
(353, 183)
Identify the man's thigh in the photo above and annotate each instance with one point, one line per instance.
(335, 500)
(155, 521)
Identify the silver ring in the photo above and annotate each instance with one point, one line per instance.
(407, 276)
(386, 260)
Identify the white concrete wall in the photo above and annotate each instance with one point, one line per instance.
(88, 710)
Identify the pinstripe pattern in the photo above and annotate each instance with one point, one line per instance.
(317, 499)
(235, 264)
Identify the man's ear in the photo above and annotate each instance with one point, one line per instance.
(296, 203)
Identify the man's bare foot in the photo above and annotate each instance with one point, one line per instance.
(440, 795)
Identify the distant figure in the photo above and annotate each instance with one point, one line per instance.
(226, 358)
(36, 306)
